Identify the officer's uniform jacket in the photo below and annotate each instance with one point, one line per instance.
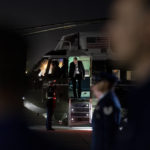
(105, 122)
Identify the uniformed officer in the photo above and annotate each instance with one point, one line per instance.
(50, 104)
(106, 117)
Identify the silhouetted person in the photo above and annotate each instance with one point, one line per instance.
(50, 104)
(14, 134)
(106, 116)
(55, 69)
(51, 93)
(64, 70)
(52, 71)
(76, 73)
(130, 32)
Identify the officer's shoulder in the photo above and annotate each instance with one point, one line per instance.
(116, 101)
(111, 100)
(108, 99)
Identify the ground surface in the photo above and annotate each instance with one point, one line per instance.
(71, 138)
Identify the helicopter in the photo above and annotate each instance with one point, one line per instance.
(95, 51)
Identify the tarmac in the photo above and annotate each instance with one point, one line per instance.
(73, 138)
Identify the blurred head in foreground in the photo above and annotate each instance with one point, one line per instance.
(12, 70)
(130, 30)
(104, 84)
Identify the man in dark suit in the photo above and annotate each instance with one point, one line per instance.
(106, 117)
(76, 73)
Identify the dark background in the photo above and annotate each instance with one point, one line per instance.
(28, 13)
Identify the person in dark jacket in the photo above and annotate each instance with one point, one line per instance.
(51, 93)
(76, 73)
(50, 105)
(106, 117)
(55, 69)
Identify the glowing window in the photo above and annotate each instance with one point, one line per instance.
(43, 67)
(129, 75)
(61, 63)
(116, 72)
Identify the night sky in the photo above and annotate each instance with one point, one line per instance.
(27, 13)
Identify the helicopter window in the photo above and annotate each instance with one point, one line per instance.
(130, 75)
(60, 64)
(116, 72)
(43, 67)
(50, 69)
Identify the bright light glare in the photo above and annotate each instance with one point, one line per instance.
(60, 64)
(45, 115)
(23, 98)
(33, 107)
(121, 128)
(64, 128)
